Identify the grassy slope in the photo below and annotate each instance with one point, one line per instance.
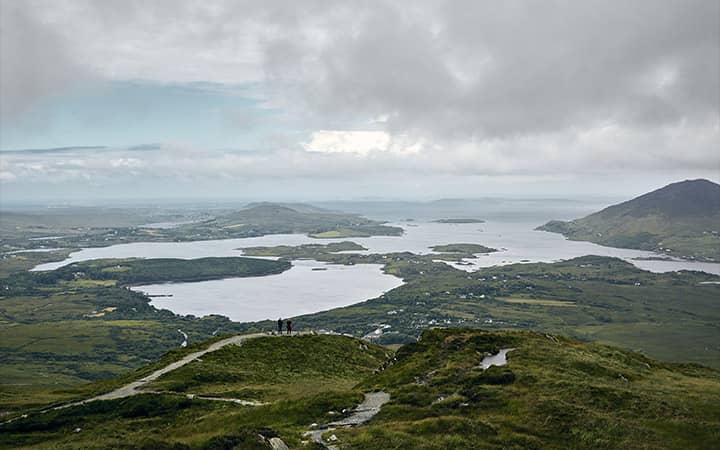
(554, 393)
(304, 378)
(680, 219)
(267, 370)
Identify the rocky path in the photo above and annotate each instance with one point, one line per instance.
(364, 412)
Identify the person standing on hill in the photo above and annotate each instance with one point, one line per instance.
(280, 322)
(289, 327)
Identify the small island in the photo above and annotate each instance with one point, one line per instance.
(459, 220)
(470, 249)
(134, 271)
(358, 232)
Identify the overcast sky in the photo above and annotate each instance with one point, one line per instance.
(345, 100)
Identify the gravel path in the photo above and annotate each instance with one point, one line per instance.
(135, 387)
(364, 412)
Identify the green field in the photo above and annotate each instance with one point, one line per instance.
(536, 301)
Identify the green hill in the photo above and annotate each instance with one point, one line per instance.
(553, 393)
(272, 218)
(681, 219)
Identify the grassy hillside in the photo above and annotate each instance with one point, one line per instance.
(266, 370)
(681, 219)
(303, 380)
(270, 218)
(553, 393)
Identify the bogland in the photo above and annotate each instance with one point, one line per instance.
(681, 219)
(554, 393)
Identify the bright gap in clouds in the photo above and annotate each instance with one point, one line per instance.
(360, 142)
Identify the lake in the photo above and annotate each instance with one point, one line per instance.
(302, 290)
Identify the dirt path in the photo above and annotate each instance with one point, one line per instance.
(364, 412)
(135, 387)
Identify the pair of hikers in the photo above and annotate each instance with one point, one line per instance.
(288, 326)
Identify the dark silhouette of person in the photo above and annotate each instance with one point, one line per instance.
(280, 323)
(289, 327)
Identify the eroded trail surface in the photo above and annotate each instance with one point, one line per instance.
(364, 412)
(135, 387)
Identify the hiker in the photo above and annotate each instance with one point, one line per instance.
(289, 327)
(280, 322)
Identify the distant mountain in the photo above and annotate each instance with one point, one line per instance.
(273, 218)
(299, 207)
(681, 219)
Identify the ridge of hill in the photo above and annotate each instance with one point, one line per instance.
(681, 219)
(554, 392)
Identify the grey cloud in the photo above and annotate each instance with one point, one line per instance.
(544, 87)
(504, 68)
(35, 63)
(443, 68)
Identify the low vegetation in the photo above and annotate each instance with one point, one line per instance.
(554, 392)
(303, 380)
(265, 370)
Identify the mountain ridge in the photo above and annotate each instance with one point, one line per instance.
(681, 219)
